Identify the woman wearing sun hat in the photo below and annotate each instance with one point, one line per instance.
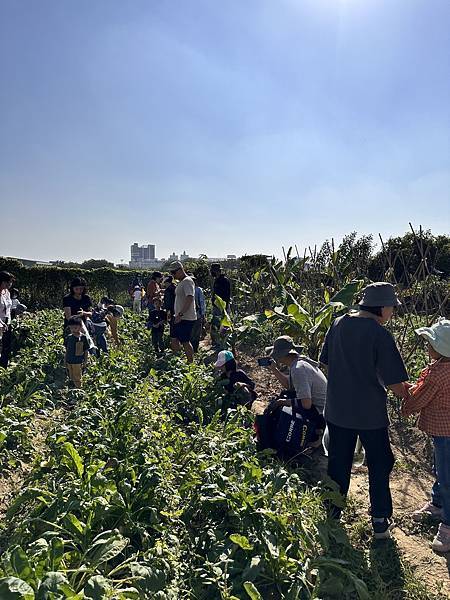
(430, 396)
(362, 361)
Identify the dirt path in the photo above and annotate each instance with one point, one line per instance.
(409, 492)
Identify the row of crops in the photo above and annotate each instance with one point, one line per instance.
(143, 489)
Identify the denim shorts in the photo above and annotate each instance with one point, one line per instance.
(182, 331)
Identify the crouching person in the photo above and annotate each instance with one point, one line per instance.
(430, 396)
(77, 347)
(307, 384)
(236, 381)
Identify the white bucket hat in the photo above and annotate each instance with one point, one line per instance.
(438, 336)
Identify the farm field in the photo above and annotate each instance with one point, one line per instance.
(142, 490)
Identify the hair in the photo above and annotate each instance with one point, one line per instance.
(112, 310)
(14, 292)
(77, 282)
(6, 276)
(74, 321)
(156, 275)
(216, 267)
(374, 310)
(168, 279)
(230, 365)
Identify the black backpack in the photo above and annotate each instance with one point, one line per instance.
(284, 429)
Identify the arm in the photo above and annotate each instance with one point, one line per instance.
(67, 312)
(398, 389)
(282, 378)
(420, 394)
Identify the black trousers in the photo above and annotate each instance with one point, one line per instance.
(158, 338)
(196, 334)
(5, 348)
(380, 462)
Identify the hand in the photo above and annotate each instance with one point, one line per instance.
(177, 319)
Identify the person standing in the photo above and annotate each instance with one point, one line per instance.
(156, 322)
(185, 315)
(77, 346)
(222, 289)
(363, 361)
(6, 281)
(430, 397)
(153, 289)
(137, 299)
(200, 309)
(77, 302)
(169, 306)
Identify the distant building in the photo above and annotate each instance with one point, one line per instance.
(173, 257)
(184, 256)
(143, 257)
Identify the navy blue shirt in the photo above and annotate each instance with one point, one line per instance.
(76, 348)
(362, 359)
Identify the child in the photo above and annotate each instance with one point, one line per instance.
(77, 347)
(156, 321)
(236, 380)
(430, 396)
(137, 299)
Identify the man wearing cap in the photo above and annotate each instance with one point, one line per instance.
(222, 289)
(305, 376)
(363, 361)
(430, 396)
(185, 314)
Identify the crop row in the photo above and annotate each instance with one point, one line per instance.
(146, 491)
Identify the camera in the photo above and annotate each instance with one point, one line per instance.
(265, 361)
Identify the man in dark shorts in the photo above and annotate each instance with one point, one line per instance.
(185, 313)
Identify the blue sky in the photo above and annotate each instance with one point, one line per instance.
(220, 127)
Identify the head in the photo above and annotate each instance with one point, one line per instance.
(383, 313)
(157, 276)
(137, 288)
(6, 280)
(216, 269)
(177, 271)
(75, 325)
(168, 280)
(78, 286)
(284, 351)
(14, 292)
(438, 338)
(225, 361)
(194, 279)
(379, 299)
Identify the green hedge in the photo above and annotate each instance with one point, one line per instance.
(44, 287)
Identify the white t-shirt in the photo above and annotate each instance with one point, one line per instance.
(309, 382)
(185, 288)
(137, 294)
(5, 306)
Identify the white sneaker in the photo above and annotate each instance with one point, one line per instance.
(441, 542)
(429, 510)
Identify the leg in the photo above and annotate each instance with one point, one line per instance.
(6, 347)
(155, 339)
(75, 374)
(189, 351)
(196, 334)
(161, 338)
(380, 462)
(341, 446)
(442, 465)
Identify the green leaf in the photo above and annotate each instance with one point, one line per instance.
(241, 541)
(54, 583)
(3, 437)
(13, 588)
(251, 590)
(346, 295)
(72, 459)
(20, 563)
(96, 588)
(105, 547)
